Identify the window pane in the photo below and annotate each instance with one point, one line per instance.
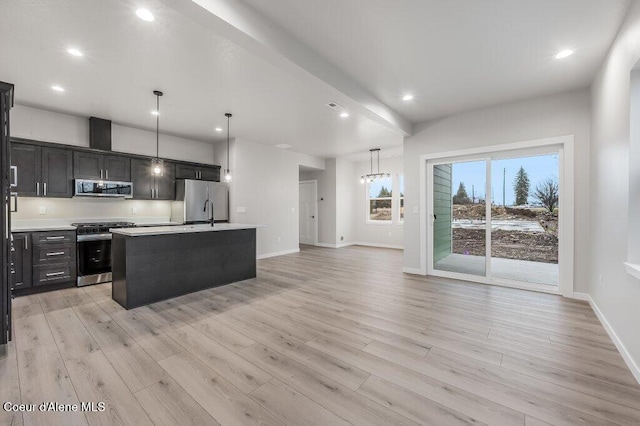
(401, 189)
(381, 188)
(380, 209)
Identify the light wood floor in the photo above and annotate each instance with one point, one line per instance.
(323, 337)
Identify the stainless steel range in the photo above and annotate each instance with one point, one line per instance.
(94, 251)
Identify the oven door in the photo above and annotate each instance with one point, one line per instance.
(94, 261)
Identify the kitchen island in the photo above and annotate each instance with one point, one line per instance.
(157, 263)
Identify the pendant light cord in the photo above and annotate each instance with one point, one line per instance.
(157, 125)
(228, 132)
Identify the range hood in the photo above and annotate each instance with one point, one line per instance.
(100, 133)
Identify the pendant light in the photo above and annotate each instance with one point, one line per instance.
(227, 174)
(373, 176)
(157, 165)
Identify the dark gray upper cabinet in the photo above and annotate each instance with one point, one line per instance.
(166, 184)
(141, 178)
(186, 171)
(148, 187)
(117, 167)
(87, 165)
(27, 160)
(21, 264)
(43, 171)
(210, 173)
(57, 173)
(195, 171)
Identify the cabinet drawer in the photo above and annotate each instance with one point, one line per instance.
(51, 274)
(54, 237)
(53, 253)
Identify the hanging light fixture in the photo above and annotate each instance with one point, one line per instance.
(157, 164)
(227, 174)
(374, 176)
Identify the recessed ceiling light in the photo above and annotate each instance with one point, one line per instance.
(74, 52)
(145, 15)
(218, 129)
(564, 54)
(344, 114)
(407, 97)
(155, 113)
(57, 88)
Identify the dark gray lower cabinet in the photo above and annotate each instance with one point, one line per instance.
(44, 258)
(21, 265)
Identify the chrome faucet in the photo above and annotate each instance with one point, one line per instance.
(209, 202)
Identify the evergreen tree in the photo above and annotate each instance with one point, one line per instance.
(461, 196)
(521, 187)
(384, 193)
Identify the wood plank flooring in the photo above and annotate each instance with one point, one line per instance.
(321, 337)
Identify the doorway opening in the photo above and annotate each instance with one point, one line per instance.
(308, 198)
(496, 217)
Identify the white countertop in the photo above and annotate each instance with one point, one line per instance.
(182, 229)
(36, 225)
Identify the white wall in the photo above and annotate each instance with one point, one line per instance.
(346, 202)
(265, 185)
(615, 293)
(543, 117)
(377, 234)
(48, 126)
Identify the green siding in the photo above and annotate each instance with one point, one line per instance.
(442, 210)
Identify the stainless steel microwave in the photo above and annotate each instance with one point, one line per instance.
(102, 188)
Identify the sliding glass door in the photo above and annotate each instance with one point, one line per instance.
(495, 218)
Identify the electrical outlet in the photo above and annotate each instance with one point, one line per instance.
(42, 210)
(279, 239)
(342, 238)
(134, 210)
(241, 209)
(415, 209)
(389, 233)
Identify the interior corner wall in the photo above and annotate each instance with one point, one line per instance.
(615, 293)
(264, 190)
(49, 126)
(391, 234)
(537, 118)
(345, 207)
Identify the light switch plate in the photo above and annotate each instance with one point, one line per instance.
(415, 209)
(134, 210)
(241, 209)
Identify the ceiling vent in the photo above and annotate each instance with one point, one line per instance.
(336, 107)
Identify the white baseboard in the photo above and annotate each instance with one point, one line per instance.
(581, 296)
(414, 271)
(628, 359)
(334, 245)
(277, 253)
(389, 246)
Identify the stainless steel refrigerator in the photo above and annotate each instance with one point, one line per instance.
(196, 200)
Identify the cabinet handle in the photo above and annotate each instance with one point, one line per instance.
(14, 180)
(45, 188)
(151, 192)
(100, 173)
(26, 242)
(106, 174)
(60, 237)
(38, 189)
(14, 195)
(13, 271)
(57, 253)
(54, 274)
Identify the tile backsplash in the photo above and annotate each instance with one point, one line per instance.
(30, 208)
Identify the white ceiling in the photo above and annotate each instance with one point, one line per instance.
(202, 75)
(453, 55)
